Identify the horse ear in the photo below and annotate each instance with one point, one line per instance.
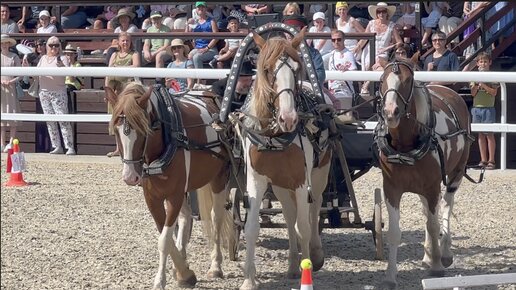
(111, 96)
(258, 39)
(298, 38)
(145, 97)
(415, 58)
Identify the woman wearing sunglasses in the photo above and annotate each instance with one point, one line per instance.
(53, 97)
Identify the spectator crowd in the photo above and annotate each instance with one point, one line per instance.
(337, 53)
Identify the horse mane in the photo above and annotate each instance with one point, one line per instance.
(128, 105)
(274, 48)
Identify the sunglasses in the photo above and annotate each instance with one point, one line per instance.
(336, 39)
(438, 39)
(53, 45)
(175, 47)
(381, 11)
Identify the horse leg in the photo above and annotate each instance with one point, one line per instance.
(447, 207)
(221, 218)
(432, 256)
(302, 220)
(289, 213)
(392, 202)
(183, 231)
(319, 180)
(256, 186)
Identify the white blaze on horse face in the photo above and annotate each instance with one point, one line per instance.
(391, 109)
(285, 79)
(129, 173)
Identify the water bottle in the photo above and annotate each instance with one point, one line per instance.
(79, 53)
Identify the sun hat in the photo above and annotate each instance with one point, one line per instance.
(124, 12)
(178, 42)
(381, 5)
(24, 49)
(200, 3)
(341, 4)
(70, 48)
(319, 15)
(6, 38)
(44, 13)
(178, 11)
(156, 14)
(295, 20)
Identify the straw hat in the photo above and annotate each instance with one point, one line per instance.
(70, 48)
(178, 42)
(124, 12)
(381, 5)
(6, 38)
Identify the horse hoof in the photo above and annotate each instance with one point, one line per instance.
(388, 285)
(317, 260)
(317, 265)
(447, 261)
(249, 285)
(190, 283)
(213, 274)
(437, 273)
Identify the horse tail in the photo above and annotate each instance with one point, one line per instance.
(205, 201)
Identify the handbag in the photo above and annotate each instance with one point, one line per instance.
(34, 88)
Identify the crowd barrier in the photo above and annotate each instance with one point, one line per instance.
(498, 77)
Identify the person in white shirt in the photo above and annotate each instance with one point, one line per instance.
(45, 25)
(322, 45)
(341, 59)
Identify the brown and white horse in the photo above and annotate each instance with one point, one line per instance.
(290, 170)
(424, 140)
(139, 133)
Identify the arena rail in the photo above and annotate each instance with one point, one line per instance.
(499, 77)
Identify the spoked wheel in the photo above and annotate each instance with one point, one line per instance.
(377, 218)
(238, 224)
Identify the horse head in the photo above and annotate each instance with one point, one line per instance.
(397, 85)
(276, 88)
(131, 123)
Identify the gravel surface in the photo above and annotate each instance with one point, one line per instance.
(78, 226)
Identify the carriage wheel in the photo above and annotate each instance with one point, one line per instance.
(377, 218)
(234, 244)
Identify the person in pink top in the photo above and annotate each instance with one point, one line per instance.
(53, 97)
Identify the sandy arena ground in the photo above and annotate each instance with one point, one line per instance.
(78, 226)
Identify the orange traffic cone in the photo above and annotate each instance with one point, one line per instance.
(306, 275)
(16, 178)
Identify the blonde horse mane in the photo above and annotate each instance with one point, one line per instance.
(128, 104)
(264, 90)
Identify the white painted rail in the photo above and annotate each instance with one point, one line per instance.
(469, 281)
(500, 77)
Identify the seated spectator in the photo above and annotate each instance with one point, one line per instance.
(324, 46)
(341, 59)
(348, 24)
(435, 11)
(442, 59)
(403, 51)
(105, 18)
(229, 50)
(314, 8)
(292, 8)
(9, 99)
(45, 25)
(124, 56)
(387, 37)
(73, 17)
(204, 49)
(30, 17)
(154, 50)
(451, 19)
(179, 17)
(165, 12)
(179, 51)
(8, 25)
(255, 9)
(408, 19)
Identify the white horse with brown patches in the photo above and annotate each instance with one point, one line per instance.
(291, 171)
(424, 141)
(139, 133)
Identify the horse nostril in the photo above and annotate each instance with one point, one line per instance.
(396, 111)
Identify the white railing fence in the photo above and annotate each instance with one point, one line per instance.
(496, 77)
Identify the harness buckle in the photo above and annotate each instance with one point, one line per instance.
(181, 137)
